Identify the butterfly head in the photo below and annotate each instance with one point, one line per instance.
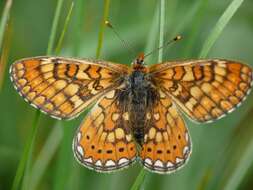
(138, 63)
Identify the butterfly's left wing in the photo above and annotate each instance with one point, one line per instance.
(167, 144)
(205, 90)
(64, 87)
(104, 141)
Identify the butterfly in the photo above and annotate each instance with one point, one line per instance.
(137, 110)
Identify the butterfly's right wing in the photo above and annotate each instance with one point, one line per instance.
(64, 87)
(205, 90)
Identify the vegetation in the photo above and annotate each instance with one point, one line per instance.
(35, 150)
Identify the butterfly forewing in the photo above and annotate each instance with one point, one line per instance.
(64, 87)
(104, 141)
(205, 90)
(167, 144)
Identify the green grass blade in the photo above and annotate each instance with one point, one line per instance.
(161, 30)
(54, 27)
(24, 164)
(151, 40)
(102, 28)
(4, 21)
(197, 20)
(26, 153)
(241, 169)
(142, 174)
(53, 141)
(219, 27)
(4, 55)
(139, 180)
(45, 156)
(66, 24)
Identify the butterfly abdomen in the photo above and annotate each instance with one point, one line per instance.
(140, 96)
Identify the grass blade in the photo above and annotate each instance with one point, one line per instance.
(197, 20)
(139, 180)
(55, 136)
(102, 28)
(45, 156)
(4, 55)
(142, 174)
(25, 161)
(161, 30)
(219, 27)
(4, 21)
(54, 27)
(241, 169)
(66, 24)
(26, 153)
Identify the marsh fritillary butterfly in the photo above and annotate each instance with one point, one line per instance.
(136, 108)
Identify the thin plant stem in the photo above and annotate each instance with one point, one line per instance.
(219, 27)
(102, 27)
(4, 21)
(161, 26)
(55, 136)
(66, 24)
(54, 27)
(27, 153)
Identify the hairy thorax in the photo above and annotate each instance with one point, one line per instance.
(137, 98)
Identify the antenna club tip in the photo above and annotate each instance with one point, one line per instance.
(107, 23)
(177, 38)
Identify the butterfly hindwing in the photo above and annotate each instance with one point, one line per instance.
(64, 87)
(167, 144)
(104, 141)
(205, 90)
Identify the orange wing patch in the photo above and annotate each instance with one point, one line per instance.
(205, 90)
(63, 87)
(104, 141)
(167, 144)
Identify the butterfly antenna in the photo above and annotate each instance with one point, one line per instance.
(164, 45)
(125, 44)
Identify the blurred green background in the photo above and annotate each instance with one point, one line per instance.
(222, 153)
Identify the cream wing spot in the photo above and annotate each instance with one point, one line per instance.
(79, 135)
(157, 116)
(71, 89)
(119, 133)
(148, 116)
(159, 137)
(123, 161)
(110, 163)
(170, 164)
(98, 163)
(115, 116)
(186, 150)
(152, 133)
(148, 161)
(129, 137)
(126, 116)
(158, 163)
(111, 94)
(111, 137)
(80, 150)
(88, 160)
(220, 70)
(179, 160)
